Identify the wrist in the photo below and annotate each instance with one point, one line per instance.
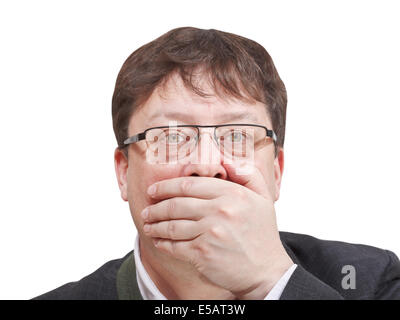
(261, 289)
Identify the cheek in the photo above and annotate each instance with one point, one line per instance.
(266, 168)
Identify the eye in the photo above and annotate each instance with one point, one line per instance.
(174, 138)
(236, 136)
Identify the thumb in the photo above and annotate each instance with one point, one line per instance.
(249, 176)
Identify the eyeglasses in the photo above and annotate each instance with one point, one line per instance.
(178, 141)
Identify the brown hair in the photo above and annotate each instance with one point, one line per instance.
(237, 67)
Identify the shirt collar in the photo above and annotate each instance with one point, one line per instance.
(148, 289)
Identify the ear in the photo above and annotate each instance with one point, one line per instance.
(278, 171)
(121, 169)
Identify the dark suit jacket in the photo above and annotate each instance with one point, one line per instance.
(318, 275)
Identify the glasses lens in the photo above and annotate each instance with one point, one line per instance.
(239, 141)
(171, 143)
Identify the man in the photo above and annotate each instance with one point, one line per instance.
(199, 117)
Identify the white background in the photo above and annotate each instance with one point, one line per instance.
(61, 215)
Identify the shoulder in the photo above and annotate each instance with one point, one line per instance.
(99, 285)
(307, 248)
(328, 260)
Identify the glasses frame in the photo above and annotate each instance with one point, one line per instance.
(142, 135)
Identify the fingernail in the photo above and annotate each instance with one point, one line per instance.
(145, 213)
(152, 190)
(146, 228)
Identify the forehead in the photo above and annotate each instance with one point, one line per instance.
(173, 101)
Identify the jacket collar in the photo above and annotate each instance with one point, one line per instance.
(289, 251)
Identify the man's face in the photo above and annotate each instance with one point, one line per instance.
(177, 103)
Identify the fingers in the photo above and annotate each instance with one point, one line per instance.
(176, 208)
(175, 218)
(174, 229)
(248, 176)
(197, 187)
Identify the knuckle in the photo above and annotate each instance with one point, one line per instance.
(171, 227)
(217, 232)
(171, 207)
(174, 248)
(203, 250)
(185, 186)
(226, 212)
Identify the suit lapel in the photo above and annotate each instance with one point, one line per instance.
(288, 250)
(127, 286)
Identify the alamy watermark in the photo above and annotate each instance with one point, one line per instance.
(349, 280)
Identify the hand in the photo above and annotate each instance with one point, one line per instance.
(226, 230)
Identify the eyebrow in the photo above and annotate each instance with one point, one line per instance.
(225, 117)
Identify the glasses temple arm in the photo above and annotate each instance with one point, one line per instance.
(135, 138)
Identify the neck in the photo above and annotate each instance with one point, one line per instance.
(178, 280)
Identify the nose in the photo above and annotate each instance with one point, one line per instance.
(206, 160)
(202, 170)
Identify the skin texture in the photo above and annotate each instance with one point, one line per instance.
(209, 231)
